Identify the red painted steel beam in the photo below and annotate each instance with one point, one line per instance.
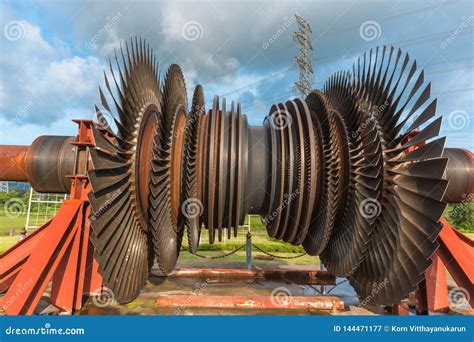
(43, 261)
(436, 286)
(68, 280)
(251, 302)
(311, 276)
(457, 255)
(14, 258)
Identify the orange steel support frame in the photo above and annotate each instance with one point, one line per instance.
(60, 252)
(455, 254)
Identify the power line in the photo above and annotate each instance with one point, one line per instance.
(262, 80)
(452, 91)
(257, 82)
(325, 60)
(391, 17)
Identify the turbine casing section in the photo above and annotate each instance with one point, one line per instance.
(460, 173)
(45, 164)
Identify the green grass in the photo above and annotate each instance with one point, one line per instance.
(259, 237)
(7, 224)
(470, 235)
(8, 241)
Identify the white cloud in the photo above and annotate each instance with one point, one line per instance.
(41, 81)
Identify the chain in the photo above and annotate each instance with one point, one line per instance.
(277, 256)
(219, 256)
(256, 247)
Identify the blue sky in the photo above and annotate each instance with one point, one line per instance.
(52, 53)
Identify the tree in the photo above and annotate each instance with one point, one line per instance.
(461, 216)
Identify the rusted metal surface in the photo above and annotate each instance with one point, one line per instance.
(252, 302)
(13, 160)
(145, 142)
(314, 277)
(177, 162)
(45, 164)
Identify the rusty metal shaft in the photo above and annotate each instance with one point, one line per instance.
(13, 163)
(45, 164)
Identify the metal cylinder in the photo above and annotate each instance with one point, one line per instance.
(50, 160)
(258, 174)
(460, 173)
(13, 163)
(45, 164)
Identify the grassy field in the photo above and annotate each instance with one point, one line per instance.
(7, 224)
(10, 225)
(8, 241)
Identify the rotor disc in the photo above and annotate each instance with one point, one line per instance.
(165, 216)
(119, 171)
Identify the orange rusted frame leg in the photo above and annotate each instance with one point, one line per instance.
(14, 258)
(26, 289)
(436, 286)
(70, 277)
(457, 254)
